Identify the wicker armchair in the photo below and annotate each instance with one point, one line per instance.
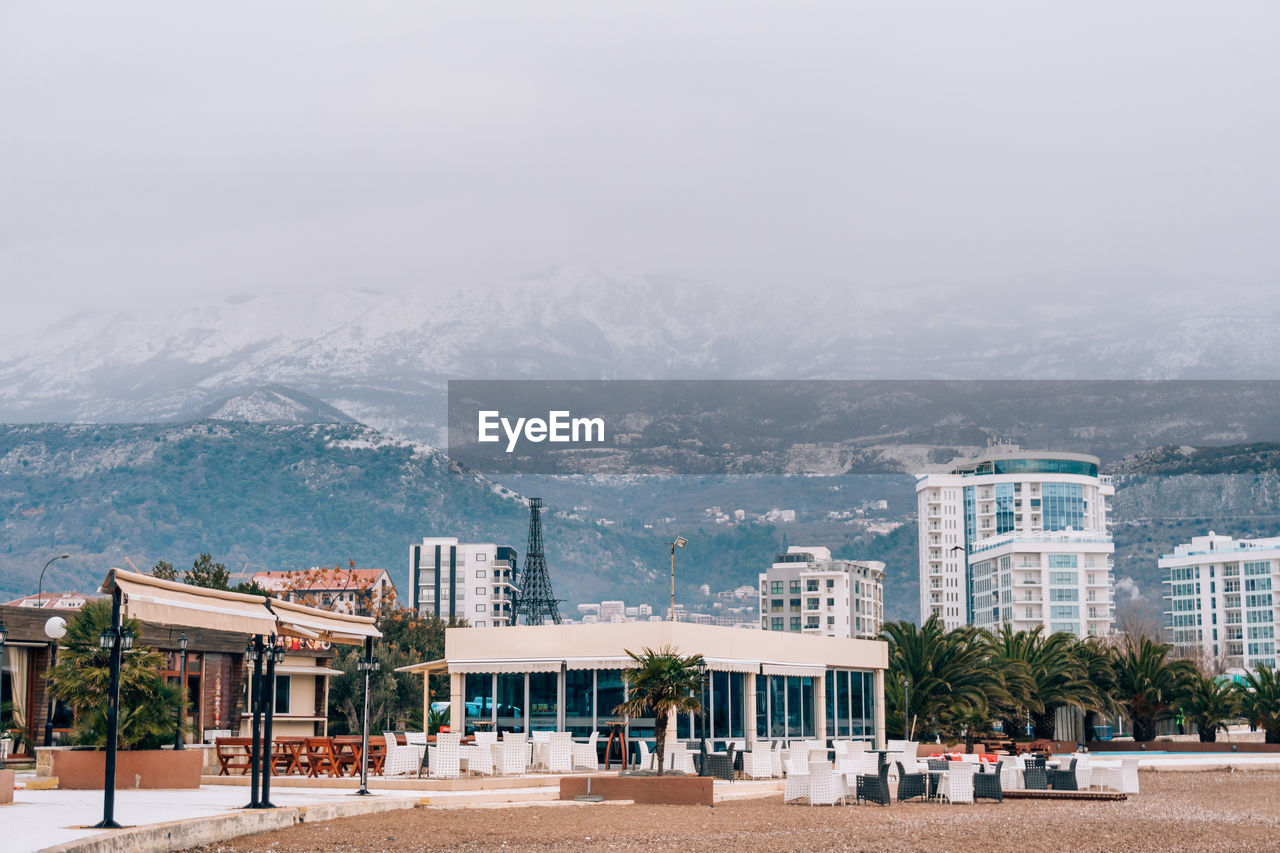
(1035, 777)
(911, 785)
(875, 788)
(1063, 780)
(720, 766)
(986, 786)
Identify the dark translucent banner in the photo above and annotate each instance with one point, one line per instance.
(821, 427)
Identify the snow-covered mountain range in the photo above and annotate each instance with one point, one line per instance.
(384, 359)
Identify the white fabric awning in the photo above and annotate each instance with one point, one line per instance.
(291, 669)
(168, 603)
(798, 669)
(731, 665)
(507, 665)
(439, 666)
(300, 620)
(599, 663)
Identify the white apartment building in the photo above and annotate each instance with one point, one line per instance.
(1020, 538)
(459, 580)
(805, 591)
(1221, 600)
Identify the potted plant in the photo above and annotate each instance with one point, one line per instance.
(660, 683)
(148, 711)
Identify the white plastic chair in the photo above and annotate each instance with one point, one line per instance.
(1011, 774)
(680, 759)
(957, 785)
(486, 738)
(479, 758)
(559, 754)
(797, 786)
(400, 760)
(445, 759)
(758, 763)
(816, 747)
(777, 758)
(416, 738)
(825, 787)
(1123, 778)
(646, 757)
(1084, 773)
(585, 754)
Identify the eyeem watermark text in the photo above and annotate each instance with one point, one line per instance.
(559, 427)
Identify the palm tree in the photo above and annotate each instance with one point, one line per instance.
(1208, 705)
(1260, 701)
(1059, 674)
(951, 672)
(1096, 658)
(1148, 684)
(148, 703)
(660, 683)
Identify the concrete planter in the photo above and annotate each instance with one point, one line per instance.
(84, 769)
(6, 786)
(658, 790)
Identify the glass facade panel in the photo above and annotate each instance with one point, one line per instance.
(1004, 507)
(477, 691)
(1063, 506)
(544, 689)
(1045, 466)
(579, 704)
(511, 710)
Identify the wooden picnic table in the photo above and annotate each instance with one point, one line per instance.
(288, 752)
(233, 754)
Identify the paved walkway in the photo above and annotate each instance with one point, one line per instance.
(39, 819)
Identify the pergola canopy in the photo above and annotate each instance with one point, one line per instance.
(170, 603)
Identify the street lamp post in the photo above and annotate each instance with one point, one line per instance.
(366, 665)
(179, 742)
(906, 709)
(53, 649)
(679, 543)
(4, 636)
(274, 654)
(55, 628)
(253, 653)
(117, 640)
(703, 674)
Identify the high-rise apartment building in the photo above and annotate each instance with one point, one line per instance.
(1020, 538)
(1220, 592)
(805, 591)
(458, 580)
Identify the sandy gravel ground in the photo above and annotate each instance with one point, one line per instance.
(1175, 811)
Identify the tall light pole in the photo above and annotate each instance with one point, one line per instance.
(4, 635)
(53, 648)
(55, 628)
(679, 543)
(704, 672)
(117, 640)
(367, 665)
(179, 742)
(906, 709)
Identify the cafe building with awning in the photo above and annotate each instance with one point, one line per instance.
(761, 685)
(218, 624)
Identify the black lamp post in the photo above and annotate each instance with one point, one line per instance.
(179, 742)
(366, 665)
(4, 636)
(704, 674)
(906, 709)
(118, 640)
(53, 649)
(253, 654)
(55, 628)
(273, 652)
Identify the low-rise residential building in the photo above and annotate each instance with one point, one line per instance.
(358, 592)
(1221, 596)
(461, 580)
(806, 591)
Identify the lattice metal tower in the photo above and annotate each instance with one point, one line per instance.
(535, 601)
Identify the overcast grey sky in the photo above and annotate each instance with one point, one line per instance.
(169, 149)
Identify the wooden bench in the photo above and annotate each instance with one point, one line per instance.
(233, 754)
